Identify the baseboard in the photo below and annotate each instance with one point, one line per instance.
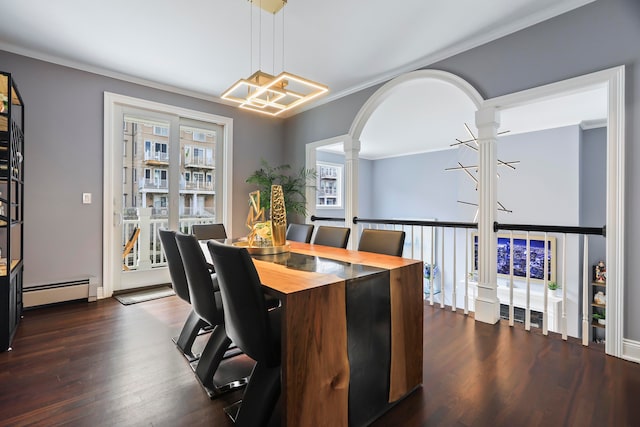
(53, 293)
(631, 350)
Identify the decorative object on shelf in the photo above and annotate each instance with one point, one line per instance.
(600, 298)
(265, 93)
(600, 272)
(294, 185)
(4, 102)
(600, 318)
(472, 171)
(278, 216)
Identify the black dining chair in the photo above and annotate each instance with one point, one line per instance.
(332, 236)
(299, 232)
(387, 242)
(207, 303)
(194, 324)
(209, 231)
(253, 328)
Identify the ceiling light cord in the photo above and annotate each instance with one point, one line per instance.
(282, 40)
(250, 37)
(260, 37)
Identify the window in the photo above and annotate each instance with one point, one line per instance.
(198, 177)
(329, 185)
(200, 136)
(161, 131)
(160, 178)
(198, 154)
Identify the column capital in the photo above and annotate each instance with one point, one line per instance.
(487, 117)
(351, 147)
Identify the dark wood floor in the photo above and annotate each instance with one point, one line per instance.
(105, 364)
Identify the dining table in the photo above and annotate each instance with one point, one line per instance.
(351, 332)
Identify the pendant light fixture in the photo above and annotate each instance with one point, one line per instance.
(268, 94)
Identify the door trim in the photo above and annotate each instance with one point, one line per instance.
(111, 100)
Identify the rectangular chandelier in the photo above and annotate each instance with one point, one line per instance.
(270, 95)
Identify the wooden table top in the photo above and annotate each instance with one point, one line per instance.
(283, 280)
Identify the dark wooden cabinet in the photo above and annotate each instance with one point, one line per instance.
(11, 208)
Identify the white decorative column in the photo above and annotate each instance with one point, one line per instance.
(351, 161)
(487, 304)
(310, 191)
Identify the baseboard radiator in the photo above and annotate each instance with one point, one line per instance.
(81, 289)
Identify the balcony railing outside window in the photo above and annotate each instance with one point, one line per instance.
(153, 183)
(199, 161)
(156, 156)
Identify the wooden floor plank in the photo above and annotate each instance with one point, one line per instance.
(105, 364)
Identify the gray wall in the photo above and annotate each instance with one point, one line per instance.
(597, 36)
(593, 189)
(64, 158)
(416, 187)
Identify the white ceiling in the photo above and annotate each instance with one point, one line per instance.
(201, 47)
(432, 115)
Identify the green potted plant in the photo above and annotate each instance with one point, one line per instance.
(599, 317)
(294, 184)
(553, 286)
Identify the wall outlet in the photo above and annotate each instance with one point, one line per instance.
(86, 198)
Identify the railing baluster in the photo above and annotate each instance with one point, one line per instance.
(442, 270)
(431, 271)
(511, 310)
(585, 292)
(466, 270)
(545, 314)
(454, 303)
(527, 316)
(564, 286)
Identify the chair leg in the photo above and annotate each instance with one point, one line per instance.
(259, 400)
(188, 335)
(216, 376)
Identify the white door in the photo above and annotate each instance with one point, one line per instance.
(156, 189)
(145, 192)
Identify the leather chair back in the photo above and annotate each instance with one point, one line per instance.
(205, 300)
(387, 242)
(174, 262)
(338, 237)
(245, 313)
(209, 231)
(300, 232)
